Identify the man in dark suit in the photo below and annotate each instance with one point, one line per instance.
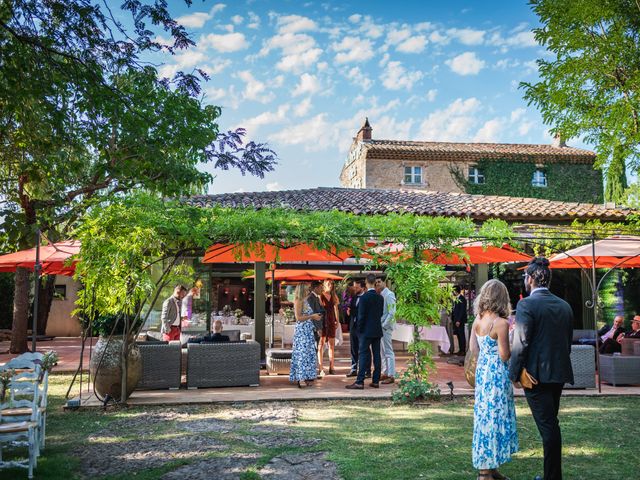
(609, 337)
(459, 319)
(316, 305)
(369, 326)
(542, 345)
(359, 289)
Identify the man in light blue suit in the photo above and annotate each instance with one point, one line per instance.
(388, 323)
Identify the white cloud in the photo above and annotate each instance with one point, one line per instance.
(423, 26)
(225, 43)
(531, 67)
(437, 37)
(353, 49)
(300, 134)
(198, 19)
(355, 18)
(224, 98)
(431, 95)
(396, 77)
(265, 118)
(186, 59)
(517, 114)
(520, 39)
(396, 36)
(237, 19)
(217, 66)
(359, 79)
(466, 64)
(371, 29)
(302, 108)
(308, 85)
(414, 44)
(467, 36)
(254, 89)
(295, 23)
(254, 21)
(273, 187)
(451, 124)
(390, 128)
(322, 66)
(490, 131)
(299, 51)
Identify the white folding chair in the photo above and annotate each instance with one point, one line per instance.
(15, 432)
(25, 361)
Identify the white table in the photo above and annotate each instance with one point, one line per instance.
(403, 332)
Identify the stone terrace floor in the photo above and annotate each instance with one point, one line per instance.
(278, 387)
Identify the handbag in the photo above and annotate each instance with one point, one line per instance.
(526, 379)
(339, 337)
(470, 364)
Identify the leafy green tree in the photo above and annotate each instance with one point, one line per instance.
(83, 120)
(591, 87)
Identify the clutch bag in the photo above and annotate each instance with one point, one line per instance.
(470, 364)
(526, 380)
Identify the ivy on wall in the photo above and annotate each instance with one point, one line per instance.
(567, 182)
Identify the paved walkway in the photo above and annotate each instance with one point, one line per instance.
(278, 387)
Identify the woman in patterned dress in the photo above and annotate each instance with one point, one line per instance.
(330, 302)
(303, 357)
(495, 437)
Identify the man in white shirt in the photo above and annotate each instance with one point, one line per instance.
(388, 322)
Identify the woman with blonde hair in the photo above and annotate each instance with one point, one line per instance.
(495, 437)
(303, 357)
(330, 302)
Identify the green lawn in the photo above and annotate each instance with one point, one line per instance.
(368, 440)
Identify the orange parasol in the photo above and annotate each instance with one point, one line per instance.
(301, 275)
(228, 253)
(618, 251)
(477, 254)
(54, 258)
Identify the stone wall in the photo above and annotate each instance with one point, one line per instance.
(389, 174)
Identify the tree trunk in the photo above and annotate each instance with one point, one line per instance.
(20, 312)
(47, 288)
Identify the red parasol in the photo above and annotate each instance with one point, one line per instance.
(54, 258)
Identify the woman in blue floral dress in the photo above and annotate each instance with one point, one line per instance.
(495, 437)
(304, 367)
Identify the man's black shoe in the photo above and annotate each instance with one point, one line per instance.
(355, 386)
(367, 375)
(352, 374)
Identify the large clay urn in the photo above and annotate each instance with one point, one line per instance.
(106, 367)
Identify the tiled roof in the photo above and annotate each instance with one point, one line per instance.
(374, 201)
(447, 151)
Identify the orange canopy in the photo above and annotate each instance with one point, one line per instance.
(300, 275)
(477, 254)
(620, 251)
(227, 253)
(54, 258)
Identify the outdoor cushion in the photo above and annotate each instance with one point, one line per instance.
(283, 353)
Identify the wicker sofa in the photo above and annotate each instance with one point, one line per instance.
(161, 365)
(225, 364)
(620, 369)
(583, 363)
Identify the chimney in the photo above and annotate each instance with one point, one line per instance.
(365, 131)
(558, 140)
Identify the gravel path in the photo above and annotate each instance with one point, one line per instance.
(215, 442)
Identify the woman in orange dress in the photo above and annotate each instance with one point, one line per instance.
(330, 303)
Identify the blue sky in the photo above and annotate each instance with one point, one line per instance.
(302, 76)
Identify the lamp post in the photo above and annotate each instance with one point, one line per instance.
(36, 293)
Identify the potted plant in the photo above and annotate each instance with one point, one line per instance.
(238, 313)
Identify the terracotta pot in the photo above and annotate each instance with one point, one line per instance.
(105, 367)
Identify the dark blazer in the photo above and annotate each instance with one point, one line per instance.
(459, 313)
(370, 309)
(316, 305)
(616, 332)
(217, 337)
(542, 339)
(353, 311)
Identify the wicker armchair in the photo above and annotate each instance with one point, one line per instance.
(620, 369)
(160, 365)
(224, 364)
(583, 363)
(629, 346)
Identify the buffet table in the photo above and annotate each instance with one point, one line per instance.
(403, 332)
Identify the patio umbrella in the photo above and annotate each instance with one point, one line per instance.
(230, 253)
(618, 251)
(54, 258)
(477, 254)
(300, 275)
(301, 252)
